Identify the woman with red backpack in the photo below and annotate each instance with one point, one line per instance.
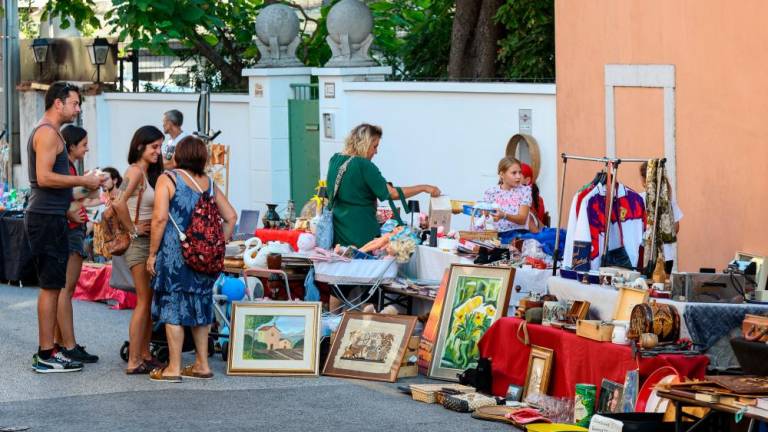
(191, 223)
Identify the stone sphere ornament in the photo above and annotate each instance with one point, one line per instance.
(277, 36)
(349, 27)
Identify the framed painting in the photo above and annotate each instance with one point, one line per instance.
(610, 397)
(369, 346)
(539, 371)
(274, 338)
(476, 297)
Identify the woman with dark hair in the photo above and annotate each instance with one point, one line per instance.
(76, 141)
(183, 297)
(134, 209)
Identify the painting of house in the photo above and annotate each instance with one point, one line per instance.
(271, 337)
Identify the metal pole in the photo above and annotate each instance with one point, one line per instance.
(584, 158)
(556, 255)
(135, 70)
(11, 72)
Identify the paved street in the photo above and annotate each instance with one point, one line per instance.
(102, 397)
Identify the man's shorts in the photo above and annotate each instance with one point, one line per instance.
(49, 242)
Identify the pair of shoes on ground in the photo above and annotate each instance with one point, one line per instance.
(58, 362)
(186, 372)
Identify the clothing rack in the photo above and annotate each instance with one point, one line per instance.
(605, 160)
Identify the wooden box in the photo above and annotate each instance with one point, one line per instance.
(410, 369)
(627, 300)
(595, 330)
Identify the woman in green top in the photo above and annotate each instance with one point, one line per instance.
(362, 185)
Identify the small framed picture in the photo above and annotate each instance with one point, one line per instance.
(274, 338)
(610, 397)
(514, 393)
(369, 346)
(539, 370)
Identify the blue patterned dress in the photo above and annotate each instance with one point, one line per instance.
(182, 295)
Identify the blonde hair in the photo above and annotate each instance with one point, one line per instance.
(360, 139)
(506, 163)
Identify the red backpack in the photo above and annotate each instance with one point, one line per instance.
(202, 244)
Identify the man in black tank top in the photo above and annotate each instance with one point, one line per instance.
(45, 219)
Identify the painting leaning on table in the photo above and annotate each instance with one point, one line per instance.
(473, 311)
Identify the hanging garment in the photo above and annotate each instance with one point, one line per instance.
(664, 216)
(629, 212)
(578, 224)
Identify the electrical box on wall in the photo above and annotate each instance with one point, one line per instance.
(328, 125)
(525, 117)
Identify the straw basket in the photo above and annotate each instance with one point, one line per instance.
(427, 393)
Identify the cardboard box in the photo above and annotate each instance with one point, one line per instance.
(410, 369)
(440, 212)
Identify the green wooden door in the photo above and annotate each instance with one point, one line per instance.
(304, 138)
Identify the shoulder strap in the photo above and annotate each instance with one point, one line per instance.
(337, 183)
(395, 211)
(170, 177)
(199, 189)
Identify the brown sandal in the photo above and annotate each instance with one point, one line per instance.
(141, 369)
(187, 372)
(157, 375)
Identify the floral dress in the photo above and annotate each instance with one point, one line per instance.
(182, 296)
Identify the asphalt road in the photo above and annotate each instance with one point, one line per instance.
(102, 397)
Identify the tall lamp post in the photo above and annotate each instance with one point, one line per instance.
(98, 52)
(40, 51)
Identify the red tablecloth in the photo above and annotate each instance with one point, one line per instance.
(93, 285)
(577, 359)
(285, 236)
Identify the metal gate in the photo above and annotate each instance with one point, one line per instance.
(304, 142)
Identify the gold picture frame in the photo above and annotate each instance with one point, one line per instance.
(274, 339)
(539, 371)
(369, 346)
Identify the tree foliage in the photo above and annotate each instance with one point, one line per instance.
(528, 49)
(413, 36)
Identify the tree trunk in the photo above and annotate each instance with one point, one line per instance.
(474, 39)
(231, 75)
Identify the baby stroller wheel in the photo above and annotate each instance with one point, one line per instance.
(124, 351)
(225, 351)
(160, 352)
(211, 347)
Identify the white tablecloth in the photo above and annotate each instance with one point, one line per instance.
(429, 263)
(602, 300)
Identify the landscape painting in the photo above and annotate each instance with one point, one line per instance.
(274, 338)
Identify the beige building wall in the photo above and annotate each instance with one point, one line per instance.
(721, 96)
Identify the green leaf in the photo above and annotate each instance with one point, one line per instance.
(192, 15)
(211, 39)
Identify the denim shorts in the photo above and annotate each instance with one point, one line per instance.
(76, 239)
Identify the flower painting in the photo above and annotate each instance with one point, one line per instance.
(476, 298)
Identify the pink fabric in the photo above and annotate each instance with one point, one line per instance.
(93, 285)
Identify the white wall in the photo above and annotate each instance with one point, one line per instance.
(118, 115)
(451, 135)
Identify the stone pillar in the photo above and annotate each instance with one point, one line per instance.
(268, 176)
(333, 105)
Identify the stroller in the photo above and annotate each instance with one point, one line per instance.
(158, 345)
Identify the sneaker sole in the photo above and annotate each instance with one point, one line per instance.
(47, 371)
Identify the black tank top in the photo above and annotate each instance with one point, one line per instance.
(43, 199)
